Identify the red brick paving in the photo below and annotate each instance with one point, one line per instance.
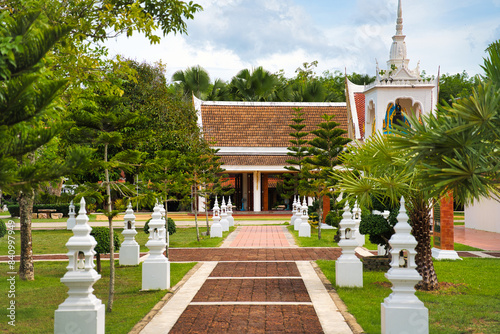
(248, 319)
(253, 254)
(253, 290)
(260, 236)
(255, 269)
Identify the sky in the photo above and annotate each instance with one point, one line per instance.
(231, 35)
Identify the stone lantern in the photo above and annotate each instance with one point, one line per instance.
(129, 249)
(164, 229)
(216, 229)
(356, 215)
(304, 227)
(230, 218)
(295, 210)
(156, 268)
(81, 310)
(223, 216)
(70, 223)
(402, 311)
(348, 268)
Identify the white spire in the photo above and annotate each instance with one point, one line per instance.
(399, 22)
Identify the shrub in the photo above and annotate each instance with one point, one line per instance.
(62, 208)
(3, 228)
(171, 226)
(333, 219)
(101, 235)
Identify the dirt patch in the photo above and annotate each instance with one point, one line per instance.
(447, 288)
(383, 284)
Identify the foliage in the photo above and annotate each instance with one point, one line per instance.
(171, 226)
(3, 228)
(456, 86)
(257, 85)
(458, 144)
(379, 229)
(101, 235)
(61, 208)
(193, 81)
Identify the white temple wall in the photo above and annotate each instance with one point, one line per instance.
(483, 215)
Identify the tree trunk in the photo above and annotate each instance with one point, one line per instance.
(111, 237)
(320, 216)
(98, 266)
(26, 268)
(420, 221)
(196, 212)
(206, 215)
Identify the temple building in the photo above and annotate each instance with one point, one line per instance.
(252, 137)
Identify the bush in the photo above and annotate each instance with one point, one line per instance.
(171, 226)
(101, 235)
(61, 208)
(332, 219)
(379, 229)
(3, 228)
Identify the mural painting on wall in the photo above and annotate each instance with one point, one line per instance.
(394, 113)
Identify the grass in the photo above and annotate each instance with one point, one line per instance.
(37, 300)
(54, 241)
(466, 303)
(460, 247)
(326, 239)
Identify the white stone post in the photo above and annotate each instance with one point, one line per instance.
(81, 310)
(230, 218)
(356, 213)
(129, 249)
(304, 227)
(164, 229)
(216, 229)
(223, 216)
(348, 268)
(402, 311)
(156, 268)
(70, 223)
(294, 213)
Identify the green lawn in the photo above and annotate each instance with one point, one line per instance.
(54, 241)
(468, 303)
(37, 300)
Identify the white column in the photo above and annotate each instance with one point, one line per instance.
(257, 188)
(244, 191)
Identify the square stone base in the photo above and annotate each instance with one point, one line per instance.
(156, 275)
(129, 255)
(349, 274)
(410, 320)
(79, 321)
(305, 230)
(442, 254)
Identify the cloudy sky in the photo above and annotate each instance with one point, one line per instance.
(230, 35)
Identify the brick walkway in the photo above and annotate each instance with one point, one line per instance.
(252, 290)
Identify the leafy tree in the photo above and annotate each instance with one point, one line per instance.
(378, 169)
(456, 86)
(255, 85)
(101, 235)
(193, 81)
(297, 152)
(458, 144)
(327, 144)
(3, 228)
(32, 114)
(101, 122)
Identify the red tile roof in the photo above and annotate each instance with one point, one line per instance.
(255, 160)
(261, 124)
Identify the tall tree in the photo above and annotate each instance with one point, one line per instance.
(193, 81)
(256, 85)
(32, 115)
(101, 122)
(378, 169)
(325, 147)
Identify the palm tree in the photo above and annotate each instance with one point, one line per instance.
(377, 169)
(193, 81)
(258, 85)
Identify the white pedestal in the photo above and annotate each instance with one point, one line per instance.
(296, 223)
(304, 229)
(129, 255)
(156, 275)
(216, 231)
(80, 321)
(230, 219)
(440, 254)
(380, 250)
(70, 223)
(224, 223)
(349, 273)
(404, 319)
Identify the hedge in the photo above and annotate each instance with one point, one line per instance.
(61, 208)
